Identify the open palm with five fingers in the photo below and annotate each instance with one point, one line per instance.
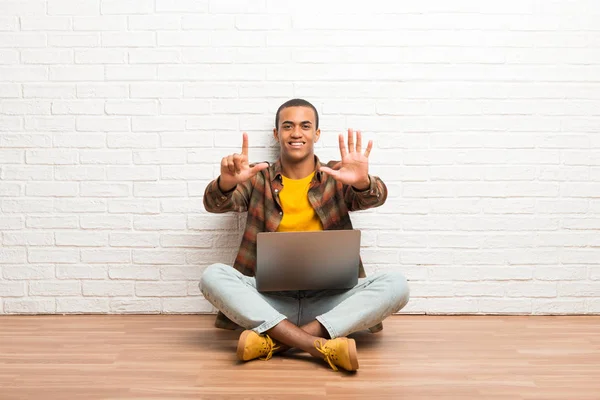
(235, 168)
(354, 167)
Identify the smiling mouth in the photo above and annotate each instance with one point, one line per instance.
(296, 144)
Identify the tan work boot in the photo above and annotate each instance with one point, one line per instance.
(339, 352)
(251, 345)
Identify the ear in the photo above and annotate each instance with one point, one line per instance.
(317, 135)
(276, 135)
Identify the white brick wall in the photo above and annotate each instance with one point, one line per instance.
(114, 115)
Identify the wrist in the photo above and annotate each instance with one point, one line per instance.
(363, 185)
(225, 186)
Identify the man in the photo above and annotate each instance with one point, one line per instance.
(298, 193)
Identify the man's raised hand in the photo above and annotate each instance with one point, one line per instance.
(235, 168)
(354, 167)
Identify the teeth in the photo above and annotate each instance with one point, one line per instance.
(297, 144)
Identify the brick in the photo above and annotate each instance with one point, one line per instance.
(12, 289)
(53, 123)
(82, 306)
(79, 173)
(104, 123)
(158, 22)
(107, 288)
(134, 206)
(154, 56)
(29, 306)
(74, 40)
(80, 271)
(558, 306)
(26, 206)
(130, 73)
(100, 56)
(161, 289)
(205, 257)
(177, 273)
(208, 22)
(76, 73)
(578, 289)
(10, 90)
(53, 255)
(80, 205)
(158, 257)
(12, 156)
(55, 288)
(28, 238)
(10, 189)
(189, 205)
(102, 189)
(106, 157)
(175, 156)
(134, 173)
(134, 239)
(503, 306)
(25, 107)
(140, 107)
(8, 23)
(20, 140)
(66, 7)
(169, 172)
(52, 222)
(157, 124)
(136, 272)
(28, 272)
(210, 90)
(25, 173)
(182, 6)
(135, 306)
(8, 124)
(134, 140)
(156, 90)
(128, 39)
(184, 106)
(8, 57)
(110, 222)
(187, 240)
(159, 222)
(47, 56)
(51, 157)
(160, 189)
(22, 40)
(81, 141)
(106, 255)
(127, 7)
(212, 222)
(11, 223)
(56, 189)
(86, 239)
(103, 23)
(102, 90)
(195, 304)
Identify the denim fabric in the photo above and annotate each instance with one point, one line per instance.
(341, 312)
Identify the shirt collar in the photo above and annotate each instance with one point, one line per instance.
(275, 170)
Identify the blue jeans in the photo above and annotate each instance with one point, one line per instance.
(341, 312)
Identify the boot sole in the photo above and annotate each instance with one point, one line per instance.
(242, 345)
(353, 354)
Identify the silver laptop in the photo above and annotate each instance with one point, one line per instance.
(307, 260)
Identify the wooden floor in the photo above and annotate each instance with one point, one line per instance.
(184, 357)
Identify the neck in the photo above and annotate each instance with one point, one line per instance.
(297, 169)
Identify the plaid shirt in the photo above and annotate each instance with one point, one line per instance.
(258, 197)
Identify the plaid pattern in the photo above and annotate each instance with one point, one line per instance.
(331, 200)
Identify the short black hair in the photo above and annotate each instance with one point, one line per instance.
(296, 103)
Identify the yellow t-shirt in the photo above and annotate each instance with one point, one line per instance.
(298, 214)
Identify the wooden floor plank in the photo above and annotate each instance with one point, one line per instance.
(185, 357)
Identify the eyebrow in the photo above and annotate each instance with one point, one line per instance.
(292, 122)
